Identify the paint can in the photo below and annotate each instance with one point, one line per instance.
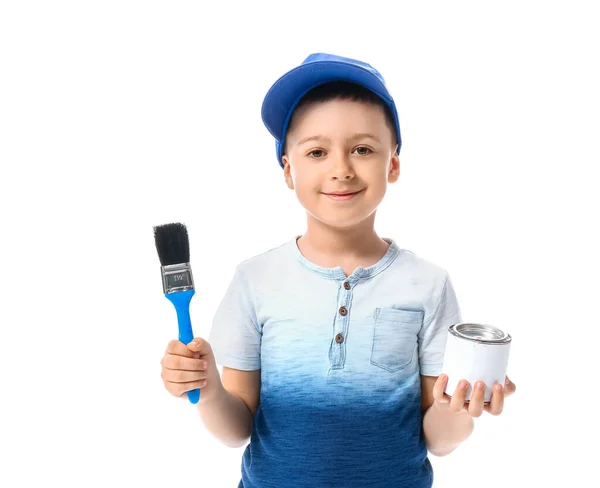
(476, 352)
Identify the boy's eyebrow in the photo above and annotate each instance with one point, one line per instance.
(358, 135)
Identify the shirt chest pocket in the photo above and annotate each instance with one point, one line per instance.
(395, 334)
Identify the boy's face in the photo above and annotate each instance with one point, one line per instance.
(340, 145)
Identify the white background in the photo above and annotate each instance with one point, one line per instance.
(118, 115)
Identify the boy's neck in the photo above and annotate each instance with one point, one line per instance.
(328, 247)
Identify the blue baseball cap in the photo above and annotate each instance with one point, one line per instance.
(317, 69)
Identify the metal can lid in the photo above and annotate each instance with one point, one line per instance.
(486, 334)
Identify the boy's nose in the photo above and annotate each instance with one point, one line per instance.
(341, 167)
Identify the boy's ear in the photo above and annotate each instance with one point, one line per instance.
(286, 172)
(394, 172)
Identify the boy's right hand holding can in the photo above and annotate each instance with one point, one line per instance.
(188, 367)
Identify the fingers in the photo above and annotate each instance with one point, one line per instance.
(438, 388)
(171, 361)
(476, 405)
(476, 402)
(497, 402)
(458, 399)
(509, 387)
(179, 369)
(180, 349)
(178, 382)
(176, 376)
(180, 389)
(185, 366)
(199, 345)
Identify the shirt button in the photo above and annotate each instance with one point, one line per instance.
(339, 338)
(346, 285)
(343, 311)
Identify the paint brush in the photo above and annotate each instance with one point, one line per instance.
(172, 244)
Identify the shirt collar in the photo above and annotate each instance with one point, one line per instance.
(337, 273)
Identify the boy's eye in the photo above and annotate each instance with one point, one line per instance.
(316, 153)
(363, 151)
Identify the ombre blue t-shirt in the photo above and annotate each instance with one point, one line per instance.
(340, 360)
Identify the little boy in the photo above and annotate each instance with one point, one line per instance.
(332, 343)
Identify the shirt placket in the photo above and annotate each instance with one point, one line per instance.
(338, 345)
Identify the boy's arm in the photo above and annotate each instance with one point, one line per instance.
(228, 412)
(444, 430)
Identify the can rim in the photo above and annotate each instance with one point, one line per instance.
(501, 336)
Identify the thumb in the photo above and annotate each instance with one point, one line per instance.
(197, 344)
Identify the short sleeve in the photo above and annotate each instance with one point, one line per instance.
(434, 333)
(235, 336)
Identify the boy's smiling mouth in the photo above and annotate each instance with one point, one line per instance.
(342, 195)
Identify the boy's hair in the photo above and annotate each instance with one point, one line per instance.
(344, 90)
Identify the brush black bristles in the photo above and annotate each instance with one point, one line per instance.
(172, 244)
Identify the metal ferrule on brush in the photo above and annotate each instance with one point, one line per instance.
(177, 277)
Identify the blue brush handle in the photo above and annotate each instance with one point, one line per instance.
(181, 300)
